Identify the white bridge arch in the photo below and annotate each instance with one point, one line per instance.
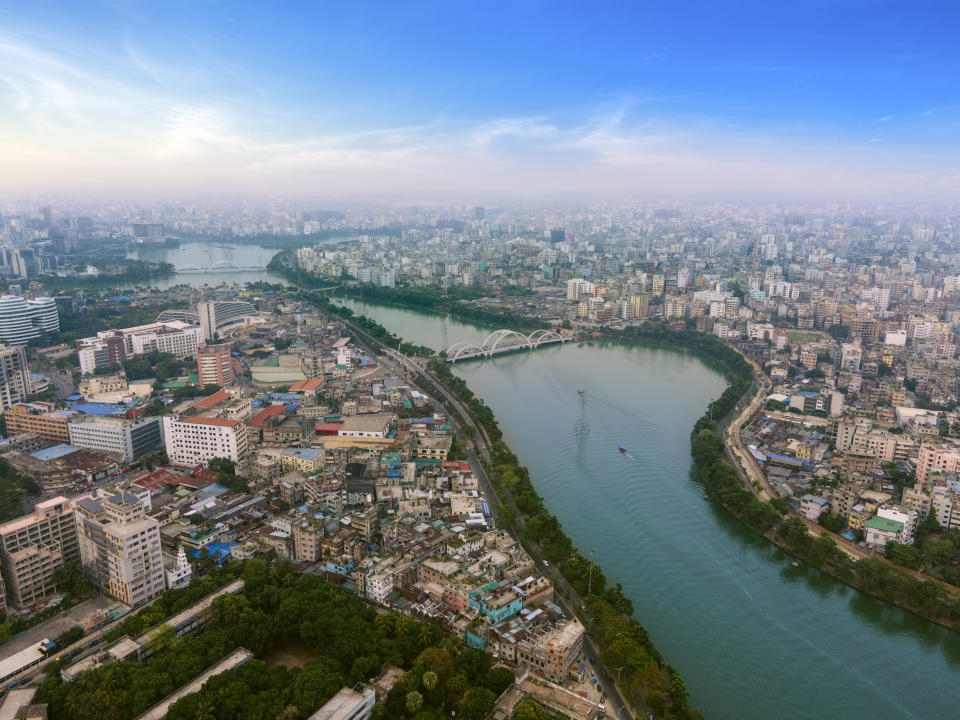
(504, 340)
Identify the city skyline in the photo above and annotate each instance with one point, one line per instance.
(429, 102)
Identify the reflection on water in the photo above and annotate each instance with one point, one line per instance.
(210, 263)
(752, 635)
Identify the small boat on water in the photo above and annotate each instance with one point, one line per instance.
(581, 393)
(623, 450)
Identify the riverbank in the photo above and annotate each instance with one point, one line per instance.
(926, 597)
(460, 303)
(645, 516)
(649, 684)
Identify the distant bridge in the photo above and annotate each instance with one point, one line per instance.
(223, 266)
(503, 341)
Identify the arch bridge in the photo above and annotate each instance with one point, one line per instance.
(503, 341)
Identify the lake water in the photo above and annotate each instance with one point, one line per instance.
(752, 636)
(210, 263)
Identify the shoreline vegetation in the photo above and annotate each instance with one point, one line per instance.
(928, 598)
(646, 680)
(457, 302)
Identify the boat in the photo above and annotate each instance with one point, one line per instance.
(623, 450)
(581, 393)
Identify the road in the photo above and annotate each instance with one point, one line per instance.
(480, 443)
(740, 457)
(610, 691)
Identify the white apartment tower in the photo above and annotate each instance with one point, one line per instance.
(196, 440)
(120, 548)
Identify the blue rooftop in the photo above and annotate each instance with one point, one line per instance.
(784, 457)
(101, 408)
(52, 453)
(304, 453)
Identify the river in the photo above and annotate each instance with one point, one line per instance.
(752, 635)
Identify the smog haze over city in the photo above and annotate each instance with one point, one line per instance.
(472, 101)
(530, 360)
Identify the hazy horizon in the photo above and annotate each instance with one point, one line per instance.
(433, 102)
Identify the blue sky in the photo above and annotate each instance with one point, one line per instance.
(739, 99)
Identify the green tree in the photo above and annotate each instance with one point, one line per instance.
(530, 710)
(429, 680)
(477, 703)
(414, 702)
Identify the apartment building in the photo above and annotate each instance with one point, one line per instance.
(33, 547)
(128, 439)
(945, 457)
(14, 377)
(120, 548)
(307, 541)
(214, 365)
(552, 652)
(113, 347)
(309, 461)
(197, 440)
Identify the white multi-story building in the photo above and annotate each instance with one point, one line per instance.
(197, 440)
(112, 347)
(129, 439)
(23, 320)
(578, 288)
(219, 315)
(907, 517)
(850, 356)
(120, 548)
(348, 704)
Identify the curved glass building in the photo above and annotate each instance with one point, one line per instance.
(22, 320)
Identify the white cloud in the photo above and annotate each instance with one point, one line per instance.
(134, 125)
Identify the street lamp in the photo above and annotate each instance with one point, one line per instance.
(590, 575)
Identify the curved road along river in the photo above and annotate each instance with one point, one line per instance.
(752, 635)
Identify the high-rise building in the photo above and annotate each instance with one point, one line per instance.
(214, 365)
(219, 315)
(120, 548)
(24, 320)
(34, 546)
(14, 376)
(557, 236)
(150, 233)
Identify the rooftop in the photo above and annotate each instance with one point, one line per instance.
(213, 400)
(885, 524)
(220, 422)
(52, 453)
